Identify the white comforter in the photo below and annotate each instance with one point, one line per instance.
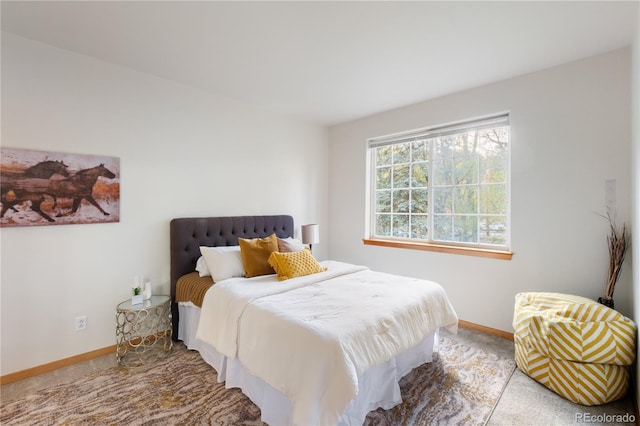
(310, 337)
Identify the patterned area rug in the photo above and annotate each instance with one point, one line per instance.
(461, 386)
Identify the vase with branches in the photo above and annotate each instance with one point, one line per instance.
(618, 242)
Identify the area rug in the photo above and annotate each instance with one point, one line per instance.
(461, 386)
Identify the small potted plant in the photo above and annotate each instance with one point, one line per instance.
(618, 241)
(136, 299)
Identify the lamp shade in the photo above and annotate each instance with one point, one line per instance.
(310, 234)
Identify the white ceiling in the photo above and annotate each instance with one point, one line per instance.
(329, 62)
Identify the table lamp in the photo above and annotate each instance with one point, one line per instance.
(310, 234)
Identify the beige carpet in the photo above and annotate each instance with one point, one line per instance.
(461, 386)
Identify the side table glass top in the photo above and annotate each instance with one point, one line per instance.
(146, 304)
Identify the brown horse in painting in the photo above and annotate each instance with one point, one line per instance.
(12, 194)
(78, 187)
(46, 169)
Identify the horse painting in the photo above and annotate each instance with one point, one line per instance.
(40, 187)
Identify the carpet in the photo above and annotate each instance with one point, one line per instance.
(461, 386)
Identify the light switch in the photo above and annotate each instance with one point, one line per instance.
(610, 196)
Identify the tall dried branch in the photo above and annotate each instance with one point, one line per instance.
(618, 242)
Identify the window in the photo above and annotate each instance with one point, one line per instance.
(442, 186)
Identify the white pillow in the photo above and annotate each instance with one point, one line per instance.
(289, 245)
(201, 267)
(223, 262)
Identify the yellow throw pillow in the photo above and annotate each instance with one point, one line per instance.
(255, 255)
(294, 264)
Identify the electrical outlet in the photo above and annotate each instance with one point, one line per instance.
(81, 323)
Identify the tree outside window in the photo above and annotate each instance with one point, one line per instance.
(446, 185)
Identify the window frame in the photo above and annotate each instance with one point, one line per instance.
(429, 244)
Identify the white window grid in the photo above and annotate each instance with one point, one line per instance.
(429, 135)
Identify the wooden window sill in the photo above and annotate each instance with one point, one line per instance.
(467, 251)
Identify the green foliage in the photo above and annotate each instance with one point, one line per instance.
(469, 187)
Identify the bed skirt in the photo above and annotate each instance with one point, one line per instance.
(378, 386)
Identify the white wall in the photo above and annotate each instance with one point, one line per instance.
(182, 152)
(635, 188)
(570, 128)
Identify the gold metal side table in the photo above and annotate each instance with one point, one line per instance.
(143, 331)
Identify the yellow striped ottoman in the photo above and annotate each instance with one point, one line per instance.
(575, 346)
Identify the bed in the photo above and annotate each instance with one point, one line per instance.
(299, 348)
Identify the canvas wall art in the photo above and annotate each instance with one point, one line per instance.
(53, 188)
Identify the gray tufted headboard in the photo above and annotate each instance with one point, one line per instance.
(188, 234)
